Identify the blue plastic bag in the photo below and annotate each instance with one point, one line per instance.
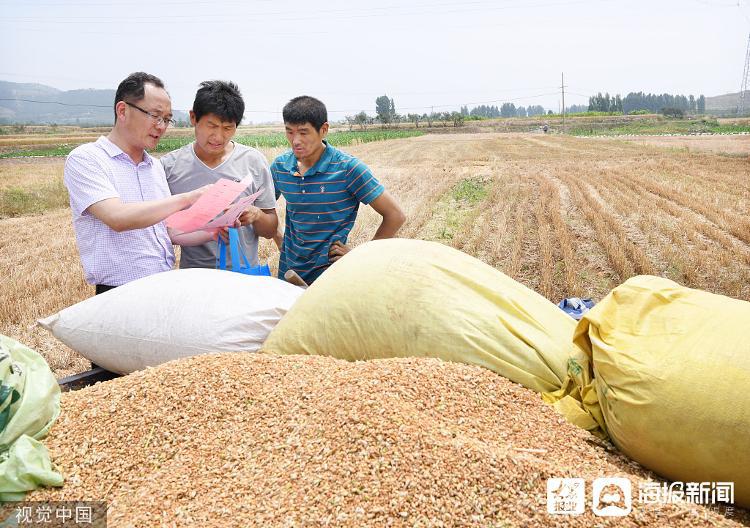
(576, 307)
(240, 264)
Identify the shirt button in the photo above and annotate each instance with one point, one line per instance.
(303, 191)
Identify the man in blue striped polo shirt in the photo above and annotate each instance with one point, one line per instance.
(323, 188)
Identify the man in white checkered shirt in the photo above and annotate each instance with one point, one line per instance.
(119, 195)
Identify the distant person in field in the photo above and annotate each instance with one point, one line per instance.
(323, 188)
(119, 195)
(217, 111)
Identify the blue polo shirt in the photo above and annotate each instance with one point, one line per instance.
(321, 207)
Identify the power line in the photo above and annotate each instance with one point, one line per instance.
(562, 87)
(248, 111)
(172, 84)
(56, 102)
(720, 4)
(737, 4)
(505, 100)
(322, 12)
(418, 10)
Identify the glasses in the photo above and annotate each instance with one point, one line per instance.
(159, 120)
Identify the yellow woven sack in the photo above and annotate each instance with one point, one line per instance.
(664, 370)
(411, 298)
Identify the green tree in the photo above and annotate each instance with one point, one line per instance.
(508, 110)
(701, 104)
(361, 119)
(535, 110)
(384, 109)
(617, 104)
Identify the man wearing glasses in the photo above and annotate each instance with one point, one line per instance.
(119, 195)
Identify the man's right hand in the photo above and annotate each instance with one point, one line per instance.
(120, 216)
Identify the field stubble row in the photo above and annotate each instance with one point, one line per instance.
(565, 216)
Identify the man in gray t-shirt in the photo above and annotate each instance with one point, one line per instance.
(217, 110)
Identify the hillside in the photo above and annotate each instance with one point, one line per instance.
(71, 107)
(726, 105)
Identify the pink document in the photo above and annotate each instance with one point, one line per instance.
(215, 208)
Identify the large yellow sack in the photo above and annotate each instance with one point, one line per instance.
(410, 298)
(664, 370)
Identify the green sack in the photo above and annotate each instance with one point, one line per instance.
(29, 405)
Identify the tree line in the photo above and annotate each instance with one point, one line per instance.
(638, 102)
(386, 114)
(505, 110)
(653, 103)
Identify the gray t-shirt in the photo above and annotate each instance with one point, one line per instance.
(186, 172)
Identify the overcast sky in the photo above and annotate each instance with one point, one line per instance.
(425, 54)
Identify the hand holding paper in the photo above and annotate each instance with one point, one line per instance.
(250, 215)
(215, 208)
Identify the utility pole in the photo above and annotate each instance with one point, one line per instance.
(562, 87)
(745, 74)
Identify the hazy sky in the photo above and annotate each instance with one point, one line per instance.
(425, 54)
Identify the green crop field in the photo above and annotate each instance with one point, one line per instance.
(167, 144)
(653, 126)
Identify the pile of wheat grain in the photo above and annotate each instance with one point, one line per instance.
(256, 440)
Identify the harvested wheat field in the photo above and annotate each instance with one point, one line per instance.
(739, 145)
(565, 216)
(258, 440)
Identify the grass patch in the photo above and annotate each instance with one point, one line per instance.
(470, 190)
(15, 201)
(260, 141)
(58, 150)
(657, 126)
(458, 207)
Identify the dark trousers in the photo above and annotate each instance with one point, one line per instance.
(101, 288)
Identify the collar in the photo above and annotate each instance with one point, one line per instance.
(113, 150)
(231, 155)
(320, 166)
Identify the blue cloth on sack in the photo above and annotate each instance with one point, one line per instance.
(576, 307)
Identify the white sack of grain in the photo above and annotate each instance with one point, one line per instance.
(172, 315)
